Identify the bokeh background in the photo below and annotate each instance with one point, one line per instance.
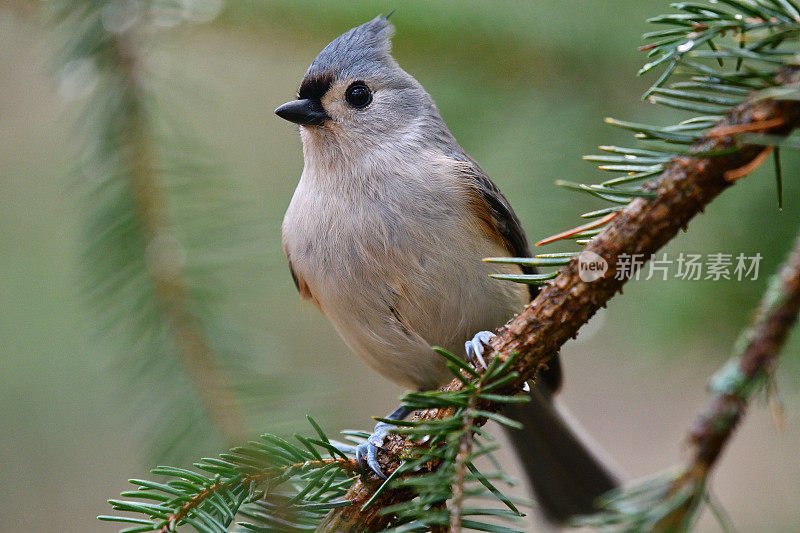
(524, 86)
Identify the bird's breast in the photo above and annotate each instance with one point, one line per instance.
(398, 269)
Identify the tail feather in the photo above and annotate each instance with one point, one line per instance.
(566, 476)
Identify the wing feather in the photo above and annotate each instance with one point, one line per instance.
(299, 282)
(498, 218)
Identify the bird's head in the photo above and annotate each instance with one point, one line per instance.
(355, 94)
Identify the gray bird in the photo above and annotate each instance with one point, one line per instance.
(386, 232)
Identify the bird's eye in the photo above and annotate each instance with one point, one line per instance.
(358, 95)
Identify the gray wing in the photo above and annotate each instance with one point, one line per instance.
(302, 286)
(493, 207)
(508, 224)
(505, 221)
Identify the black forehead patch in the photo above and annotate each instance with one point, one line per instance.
(315, 87)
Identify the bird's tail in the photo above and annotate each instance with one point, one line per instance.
(566, 476)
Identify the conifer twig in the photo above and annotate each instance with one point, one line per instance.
(208, 492)
(686, 186)
(671, 501)
(755, 355)
(464, 451)
(166, 274)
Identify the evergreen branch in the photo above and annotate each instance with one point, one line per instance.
(206, 495)
(460, 468)
(243, 481)
(169, 284)
(763, 33)
(437, 465)
(143, 261)
(759, 37)
(672, 500)
(686, 186)
(756, 352)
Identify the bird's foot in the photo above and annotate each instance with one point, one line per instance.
(477, 347)
(367, 452)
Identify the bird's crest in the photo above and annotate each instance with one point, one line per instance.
(359, 49)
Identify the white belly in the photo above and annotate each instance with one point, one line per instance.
(396, 278)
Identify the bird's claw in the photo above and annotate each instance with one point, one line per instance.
(477, 347)
(367, 452)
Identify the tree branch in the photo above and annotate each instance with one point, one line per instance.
(563, 306)
(671, 501)
(756, 351)
(162, 251)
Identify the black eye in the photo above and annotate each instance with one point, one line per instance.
(358, 95)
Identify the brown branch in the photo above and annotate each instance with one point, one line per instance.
(674, 502)
(564, 305)
(163, 253)
(758, 349)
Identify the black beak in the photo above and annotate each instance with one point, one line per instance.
(305, 112)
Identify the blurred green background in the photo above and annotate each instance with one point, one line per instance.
(524, 86)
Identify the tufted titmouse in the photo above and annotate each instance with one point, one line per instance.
(385, 234)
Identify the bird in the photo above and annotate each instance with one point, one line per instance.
(385, 234)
